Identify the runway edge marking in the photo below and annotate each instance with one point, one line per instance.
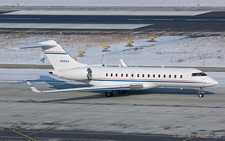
(26, 136)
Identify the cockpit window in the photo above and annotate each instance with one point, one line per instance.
(199, 74)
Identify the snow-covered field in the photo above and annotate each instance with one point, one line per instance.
(115, 3)
(167, 50)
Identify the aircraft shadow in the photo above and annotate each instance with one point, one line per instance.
(175, 91)
(70, 99)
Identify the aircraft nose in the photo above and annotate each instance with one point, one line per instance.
(213, 82)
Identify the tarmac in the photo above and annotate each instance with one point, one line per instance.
(188, 22)
(162, 111)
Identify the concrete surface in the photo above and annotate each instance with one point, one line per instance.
(172, 114)
(140, 22)
(68, 26)
(120, 12)
(156, 111)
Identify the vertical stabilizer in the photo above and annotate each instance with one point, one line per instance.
(57, 56)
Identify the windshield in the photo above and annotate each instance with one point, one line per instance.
(199, 74)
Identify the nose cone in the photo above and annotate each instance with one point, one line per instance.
(215, 82)
(212, 82)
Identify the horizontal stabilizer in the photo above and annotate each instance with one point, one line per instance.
(56, 55)
(34, 46)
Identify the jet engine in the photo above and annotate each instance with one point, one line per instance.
(79, 74)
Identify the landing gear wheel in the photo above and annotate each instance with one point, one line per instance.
(109, 94)
(200, 95)
(122, 91)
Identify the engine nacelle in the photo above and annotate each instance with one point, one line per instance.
(79, 74)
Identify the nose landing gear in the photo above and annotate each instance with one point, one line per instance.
(201, 93)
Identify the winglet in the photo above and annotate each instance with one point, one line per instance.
(33, 88)
(123, 63)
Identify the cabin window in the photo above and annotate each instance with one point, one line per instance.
(121, 75)
(180, 76)
(111, 75)
(153, 75)
(126, 75)
(164, 76)
(116, 74)
(148, 75)
(169, 76)
(132, 75)
(137, 75)
(143, 75)
(106, 74)
(159, 76)
(175, 76)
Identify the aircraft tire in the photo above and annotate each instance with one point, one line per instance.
(109, 94)
(200, 95)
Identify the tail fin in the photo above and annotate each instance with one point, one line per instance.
(57, 56)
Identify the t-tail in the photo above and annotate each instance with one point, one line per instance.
(57, 56)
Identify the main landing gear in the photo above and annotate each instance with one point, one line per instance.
(122, 91)
(111, 93)
(201, 93)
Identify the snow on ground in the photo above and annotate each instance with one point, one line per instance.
(115, 3)
(167, 50)
(71, 43)
(8, 75)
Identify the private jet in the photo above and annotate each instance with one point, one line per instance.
(121, 79)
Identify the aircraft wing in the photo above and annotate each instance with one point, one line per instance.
(88, 89)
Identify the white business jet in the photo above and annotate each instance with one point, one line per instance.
(110, 79)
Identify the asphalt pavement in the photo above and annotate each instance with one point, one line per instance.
(98, 136)
(205, 22)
